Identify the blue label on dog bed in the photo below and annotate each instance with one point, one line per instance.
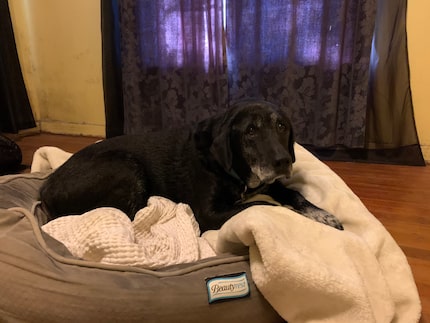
(227, 287)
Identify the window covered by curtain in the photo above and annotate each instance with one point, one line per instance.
(173, 67)
(182, 61)
(312, 57)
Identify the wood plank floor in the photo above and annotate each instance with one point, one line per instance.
(399, 196)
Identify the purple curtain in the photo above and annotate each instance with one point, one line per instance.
(182, 61)
(311, 57)
(173, 66)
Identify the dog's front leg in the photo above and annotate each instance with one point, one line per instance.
(297, 201)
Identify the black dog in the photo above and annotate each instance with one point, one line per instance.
(214, 167)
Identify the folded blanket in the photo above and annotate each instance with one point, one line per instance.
(309, 272)
(161, 234)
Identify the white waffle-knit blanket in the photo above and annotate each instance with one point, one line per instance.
(162, 234)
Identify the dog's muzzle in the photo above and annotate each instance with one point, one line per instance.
(268, 175)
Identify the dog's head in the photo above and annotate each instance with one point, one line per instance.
(253, 140)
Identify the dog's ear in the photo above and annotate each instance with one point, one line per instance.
(291, 145)
(203, 134)
(213, 134)
(221, 149)
(291, 139)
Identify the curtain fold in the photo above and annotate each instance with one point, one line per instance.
(390, 122)
(339, 68)
(311, 57)
(15, 109)
(391, 135)
(173, 68)
(111, 62)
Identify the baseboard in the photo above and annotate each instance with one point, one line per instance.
(77, 129)
(426, 153)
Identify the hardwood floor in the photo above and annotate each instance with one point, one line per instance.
(399, 196)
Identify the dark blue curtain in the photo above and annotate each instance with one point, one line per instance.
(173, 64)
(311, 57)
(181, 61)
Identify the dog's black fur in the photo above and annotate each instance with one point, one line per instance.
(213, 167)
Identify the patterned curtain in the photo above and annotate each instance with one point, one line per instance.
(182, 61)
(312, 57)
(173, 66)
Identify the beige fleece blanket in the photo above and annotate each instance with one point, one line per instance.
(310, 272)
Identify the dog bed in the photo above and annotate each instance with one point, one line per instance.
(266, 264)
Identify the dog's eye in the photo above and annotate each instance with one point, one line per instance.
(281, 126)
(251, 130)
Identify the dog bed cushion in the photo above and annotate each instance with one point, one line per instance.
(298, 270)
(42, 282)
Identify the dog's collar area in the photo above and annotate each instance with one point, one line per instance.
(233, 173)
(243, 195)
(248, 193)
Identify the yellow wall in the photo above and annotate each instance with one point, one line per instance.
(419, 60)
(59, 45)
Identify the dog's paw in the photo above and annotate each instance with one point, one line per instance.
(322, 216)
(332, 221)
